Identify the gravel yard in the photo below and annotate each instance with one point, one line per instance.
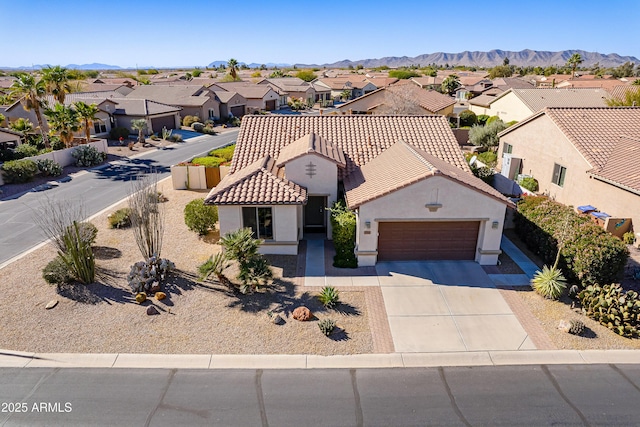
(195, 317)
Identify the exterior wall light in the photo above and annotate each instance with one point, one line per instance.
(494, 225)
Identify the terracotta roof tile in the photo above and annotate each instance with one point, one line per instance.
(621, 168)
(311, 143)
(410, 165)
(257, 184)
(620, 91)
(537, 99)
(360, 137)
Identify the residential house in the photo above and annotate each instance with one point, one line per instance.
(379, 81)
(193, 100)
(9, 138)
(551, 81)
(606, 84)
(362, 87)
(580, 156)
(157, 115)
(404, 176)
(339, 87)
(231, 104)
(403, 99)
(471, 86)
(427, 82)
(323, 93)
(259, 97)
(292, 88)
(518, 104)
(620, 92)
(123, 90)
(116, 81)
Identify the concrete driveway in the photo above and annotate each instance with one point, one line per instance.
(444, 306)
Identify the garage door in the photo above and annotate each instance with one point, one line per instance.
(271, 105)
(237, 111)
(161, 122)
(404, 241)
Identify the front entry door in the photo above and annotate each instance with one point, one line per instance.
(315, 215)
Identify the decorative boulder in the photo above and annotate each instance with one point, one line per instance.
(160, 296)
(141, 297)
(151, 310)
(277, 319)
(302, 314)
(155, 288)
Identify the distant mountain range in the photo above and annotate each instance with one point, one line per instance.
(527, 57)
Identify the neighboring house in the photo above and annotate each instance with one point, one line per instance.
(547, 82)
(581, 156)
(116, 81)
(231, 104)
(193, 100)
(292, 87)
(518, 104)
(379, 81)
(608, 85)
(405, 177)
(323, 93)
(123, 90)
(157, 115)
(9, 138)
(362, 87)
(400, 97)
(259, 97)
(427, 82)
(336, 85)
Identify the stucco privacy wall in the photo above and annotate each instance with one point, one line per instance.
(458, 203)
(323, 183)
(540, 145)
(285, 227)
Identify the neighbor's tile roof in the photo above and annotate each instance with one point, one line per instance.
(311, 144)
(87, 97)
(506, 83)
(360, 137)
(382, 81)
(428, 80)
(430, 100)
(537, 99)
(172, 95)
(409, 165)
(607, 85)
(257, 184)
(620, 92)
(482, 100)
(246, 89)
(142, 107)
(101, 87)
(622, 168)
(225, 96)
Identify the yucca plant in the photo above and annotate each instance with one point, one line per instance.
(78, 255)
(327, 326)
(329, 296)
(215, 265)
(550, 283)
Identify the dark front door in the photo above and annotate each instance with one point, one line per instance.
(315, 215)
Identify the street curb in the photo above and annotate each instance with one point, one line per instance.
(16, 359)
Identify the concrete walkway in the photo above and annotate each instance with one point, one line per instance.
(519, 258)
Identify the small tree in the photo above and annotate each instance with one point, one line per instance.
(487, 136)
(240, 246)
(140, 125)
(306, 75)
(468, 118)
(573, 62)
(450, 84)
(147, 215)
(63, 120)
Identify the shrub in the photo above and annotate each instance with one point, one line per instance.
(215, 265)
(489, 158)
(190, 120)
(628, 238)
(119, 132)
(254, 271)
(175, 138)
(25, 150)
(78, 255)
(485, 174)
(87, 156)
(200, 217)
(208, 130)
(154, 137)
(197, 126)
(482, 119)
(48, 167)
(486, 136)
(56, 272)
(493, 119)
(468, 118)
(343, 222)
(88, 233)
(210, 161)
(327, 326)
(145, 275)
(57, 144)
(530, 183)
(224, 152)
(590, 255)
(403, 74)
(329, 296)
(612, 307)
(550, 283)
(120, 218)
(18, 171)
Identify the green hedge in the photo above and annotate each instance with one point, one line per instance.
(18, 171)
(343, 223)
(590, 255)
(208, 161)
(224, 152)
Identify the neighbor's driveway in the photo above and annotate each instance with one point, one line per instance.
(443, 306)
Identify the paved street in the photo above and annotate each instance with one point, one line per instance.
(97, 189)
(506, 395)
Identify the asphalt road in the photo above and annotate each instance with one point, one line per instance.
(565, 395)
(97, 189)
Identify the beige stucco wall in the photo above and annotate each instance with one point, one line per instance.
(458, 203)
(540, 145)
(480, 110)
(509, 108)
(323, 183)
(286, 227)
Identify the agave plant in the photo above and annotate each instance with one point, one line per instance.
(550, 283)
(329, 296)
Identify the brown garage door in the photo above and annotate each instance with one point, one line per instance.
(404, 241)
(271, 105)
(237, 110)
(161, 122)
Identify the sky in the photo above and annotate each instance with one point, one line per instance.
(161, 33)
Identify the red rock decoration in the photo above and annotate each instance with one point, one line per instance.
(302, 314)
(160, 296)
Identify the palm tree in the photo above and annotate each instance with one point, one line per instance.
(30, 92)
(64, 121)
(21, 125)
(233, 68)
(140, 125)
(450, 84)
(87, 115)
(56, 80)
(573, 62)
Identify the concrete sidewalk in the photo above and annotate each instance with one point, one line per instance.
(11, 359)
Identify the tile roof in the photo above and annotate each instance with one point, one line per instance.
(428, 80)
(537, 99)
(360, 137)
(620, 92)
(88, 97)
(142, 107)
(172, 94)
(101, 87)
(257, 184)
(246, 89)
(225, 96)
(410, 165)
(506, 83)
(483, 100)
(621, 168)
(595, 132)
(607, 85)
(311, 143)
(382, 81)
(430, 100)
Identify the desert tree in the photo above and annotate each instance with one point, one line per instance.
(450, 84)
(147, 215)
(233, 68)
(56, 80)
(64, 121)
(140, 125)
(31, 92)
(573, 62)
(87, 116)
